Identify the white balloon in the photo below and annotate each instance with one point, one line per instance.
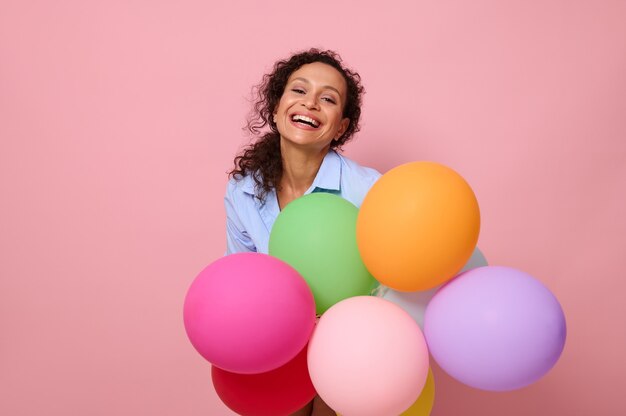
(415, 303)
(477, 260)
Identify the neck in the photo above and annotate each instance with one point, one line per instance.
(300, 166)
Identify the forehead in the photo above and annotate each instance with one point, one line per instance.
(322, 75)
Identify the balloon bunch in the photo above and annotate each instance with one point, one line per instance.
(253, 316)
(492, 328)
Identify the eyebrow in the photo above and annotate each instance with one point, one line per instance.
(325, 86)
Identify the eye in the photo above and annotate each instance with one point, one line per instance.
(298, 90)
(329, 99)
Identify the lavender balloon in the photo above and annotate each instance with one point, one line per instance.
(495, 328)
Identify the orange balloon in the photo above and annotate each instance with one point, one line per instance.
(418, 225)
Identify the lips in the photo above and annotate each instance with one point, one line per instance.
(306, 121)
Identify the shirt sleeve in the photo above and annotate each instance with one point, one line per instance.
(237, 238)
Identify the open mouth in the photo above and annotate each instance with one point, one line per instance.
(308, 121)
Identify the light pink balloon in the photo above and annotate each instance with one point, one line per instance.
(249, 313)
(368, 357)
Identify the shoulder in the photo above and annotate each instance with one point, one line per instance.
(356, 180)
(239, 195)
(240, 185)
(355, 171)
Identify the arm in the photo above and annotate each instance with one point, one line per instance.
(237, 239)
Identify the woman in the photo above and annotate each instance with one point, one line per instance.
(312, 105)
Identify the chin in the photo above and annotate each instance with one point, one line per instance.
(311, 144)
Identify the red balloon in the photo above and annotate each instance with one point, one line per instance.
(275, 393)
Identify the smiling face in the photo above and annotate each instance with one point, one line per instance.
(310, 111)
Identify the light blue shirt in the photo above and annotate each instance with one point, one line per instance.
(249, 222)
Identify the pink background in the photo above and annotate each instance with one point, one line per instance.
(119, 119)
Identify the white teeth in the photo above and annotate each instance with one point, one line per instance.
(299, 117)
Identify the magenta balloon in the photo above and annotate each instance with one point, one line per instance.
(249, 313)
(495, 328)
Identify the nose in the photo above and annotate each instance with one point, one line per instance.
(310, 102)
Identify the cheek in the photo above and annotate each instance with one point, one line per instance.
(280, 106)
(336, 117)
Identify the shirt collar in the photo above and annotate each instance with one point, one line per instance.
(328, 177)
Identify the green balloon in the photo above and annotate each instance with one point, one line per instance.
(316, 235)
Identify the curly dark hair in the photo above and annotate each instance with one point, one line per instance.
(262, 158)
